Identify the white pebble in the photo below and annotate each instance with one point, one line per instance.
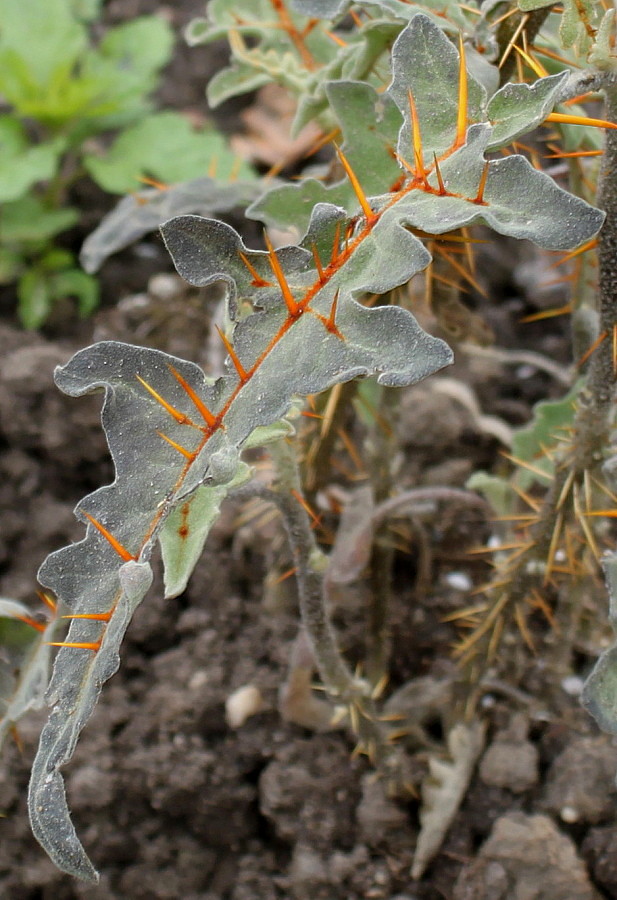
(242, 704)
(460, 581)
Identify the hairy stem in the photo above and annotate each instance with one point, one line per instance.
(383, 446)
(310, 566)
(338, 679)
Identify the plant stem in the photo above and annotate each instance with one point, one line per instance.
(310, 566)
(340, 683)
(383, 447)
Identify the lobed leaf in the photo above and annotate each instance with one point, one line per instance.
(175, 437)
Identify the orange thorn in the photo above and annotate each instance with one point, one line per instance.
(152, 182)
(186, 453)
(579, 120)
(17, 738)
(355, 18)
(551, 55)
(80, 646)
(286, 575)
(334, 37)
(462, 271)
(305, 506)
(47, 599)
(442, 187)
(336, 243)
(543, 606)
(552, 550)
(533, 64)
(479, 198)
(27, 620)
(208, 417)
(548, 313)
(317, 261)
(589, 245)
(574, 154)
(461, 121)
(122, 552)
(357, 189)
(614, 349)
(331, 321)
(293, 307)
(416, 139)
(257, 281)
(242, 373)
(180, 418)
(96, 617)
(322, 141)
(590, 350)
(235, 169)
(403, 162)
(353, 453)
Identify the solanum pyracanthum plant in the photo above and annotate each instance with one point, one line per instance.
(425, 124)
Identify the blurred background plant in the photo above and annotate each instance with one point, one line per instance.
(71, 106)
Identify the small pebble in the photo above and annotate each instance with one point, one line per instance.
(460, 581)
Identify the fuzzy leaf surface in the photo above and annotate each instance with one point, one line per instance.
(73, 692)
(171, 431)
(426, 66)
(278, 49)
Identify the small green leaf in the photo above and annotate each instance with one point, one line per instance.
(517, 108)
(78, 284)
(29, 221)
(45, 38)
(163, 146)
(34, 298)
(290, 206)
(550, 420)
(370, 123)
(184, 533)
(140, 47)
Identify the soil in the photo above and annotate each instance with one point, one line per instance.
(171, 796)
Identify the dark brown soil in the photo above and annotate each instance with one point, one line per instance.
(169, 800)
